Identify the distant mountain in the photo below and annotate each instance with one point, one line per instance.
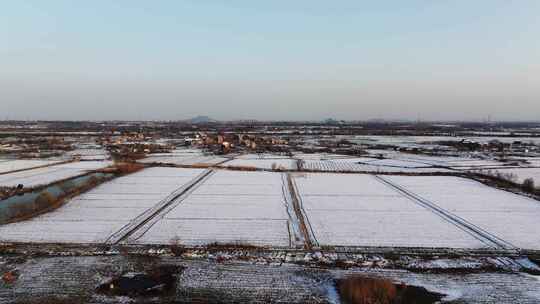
(201, 120)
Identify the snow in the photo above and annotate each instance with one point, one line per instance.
(348, 165)
(319, 156)
(93, 216)
(90, 154)
(263, 163)
(461, 162)
(223, 231)
(22, 164)
(358, 210)
(520, 173)
(396, 163)
(260, 156)
(419, 141)
(186, 157)
(229, 207)
(511, 217)
(47, 175)
(250, 208)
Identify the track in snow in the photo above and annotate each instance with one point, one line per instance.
(475, 231)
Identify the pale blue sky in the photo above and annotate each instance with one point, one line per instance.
(276, 59)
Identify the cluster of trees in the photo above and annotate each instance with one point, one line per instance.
(528, 185)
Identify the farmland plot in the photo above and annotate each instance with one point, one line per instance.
(511, 217)
(229, 207)
(358, 210)
(44, 176)
(455, 162)
(8, 165)
(371, 165)
(260, 156)
(186, 157)
(93, 216)
(263, 163)
(520, 173)
(319, 156)
(90, 154)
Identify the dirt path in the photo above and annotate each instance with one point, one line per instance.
(305, 226)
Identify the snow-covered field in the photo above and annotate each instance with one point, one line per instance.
(263, 163)
(370, 165)
(394, 162)
(358, 210)
(8, 165)
(455, 162)
(251, 208)
(260, 156)
(520, 173)
(229, 207)
(95, 215)
(508, 216)
(319, 156)
(46, 175)
(413, 141)
(90, 154)
(186, 157)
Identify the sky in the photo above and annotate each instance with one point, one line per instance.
(270, 60)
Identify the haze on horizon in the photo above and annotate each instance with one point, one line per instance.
(270, 60)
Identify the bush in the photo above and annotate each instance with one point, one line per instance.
(126, 168)
(528, 185)
(45, 200)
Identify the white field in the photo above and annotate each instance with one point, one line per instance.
(319, 156)
(411, 141)
(395, 163)
(513, 218)
(260, 156)
(521, 174)
(533, 161)
(445, 161)
(229, 207)
(263, 163)
(8, 165)
(46, 175)
(352, 165)
(187, 157)
(90, 154)
(358, 210)
(93, 216)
